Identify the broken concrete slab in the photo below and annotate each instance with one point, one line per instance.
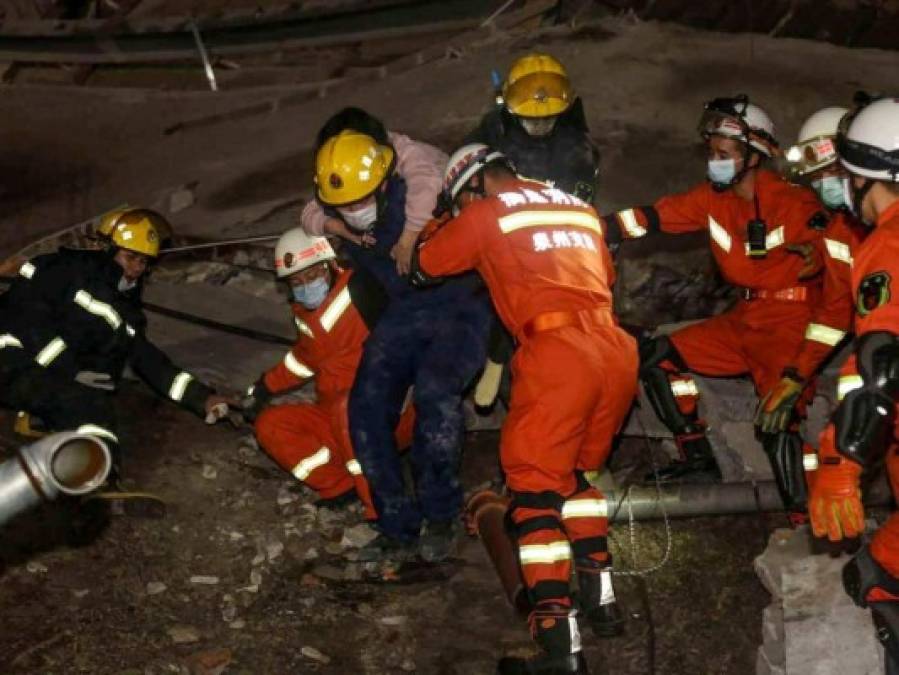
(811, 627)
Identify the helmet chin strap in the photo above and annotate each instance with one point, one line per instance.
(739, 175)
(858, 198)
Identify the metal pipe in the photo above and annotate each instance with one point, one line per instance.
(223, 242)
(486, 513)
(67, 463)
(692, 500)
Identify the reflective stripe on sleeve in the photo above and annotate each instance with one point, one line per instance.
(179, 385)
(27, 270)
(335, 310)
(848, 383)
(311, 463)
(8, 340)
(303, 327)
(48, 354)
(810, 462)
(97, 430)
(585, 508)
(824, 334)
(98, 308)
(838, 250)
(630, 223)
(354, 467)
(295, 367)
(523, 219)
(542, 554)
(719, 235)
(128, 329)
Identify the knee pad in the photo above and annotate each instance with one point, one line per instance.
(785, 453)
(867, 582)
(655, 351)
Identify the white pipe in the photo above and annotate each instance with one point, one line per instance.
(67, 463)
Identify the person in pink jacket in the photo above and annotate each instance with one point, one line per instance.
(420, 164)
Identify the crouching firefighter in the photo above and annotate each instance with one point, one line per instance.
(333, 311)
(863, 432)
(72, 321)
(763, 239)
(574, 377)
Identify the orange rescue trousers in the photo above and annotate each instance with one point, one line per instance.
(571, 390)
(311, 441)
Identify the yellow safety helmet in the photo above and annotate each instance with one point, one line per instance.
(537, 86)
(350, 166)
(138, 230)
(108, 221)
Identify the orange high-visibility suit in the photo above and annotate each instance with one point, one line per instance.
(312, 440)
(543, 258)
(777, 311)
(875, 267)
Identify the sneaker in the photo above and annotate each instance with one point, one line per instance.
(386, 549)
(438, 540)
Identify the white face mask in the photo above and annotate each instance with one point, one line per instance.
(538, 126)
(362, 218)
(125, 284)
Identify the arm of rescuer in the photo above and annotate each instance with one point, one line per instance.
(293, 371)
(829, 322)
(863, 424)
(674, 214)
(448, 247)
(157, 369)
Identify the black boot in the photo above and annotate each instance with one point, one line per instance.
(543, 664)
(698, 463)
(554, 627)
(596, 597)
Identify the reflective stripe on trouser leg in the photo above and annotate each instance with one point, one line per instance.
(585, 516)
(544, 553)
(686, 393)
(298, 437)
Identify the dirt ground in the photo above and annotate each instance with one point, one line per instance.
(245, 571)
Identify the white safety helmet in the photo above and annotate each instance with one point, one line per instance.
(816, 147)
(463, 165)
(741, 120)
(868, 142)
(297, 250)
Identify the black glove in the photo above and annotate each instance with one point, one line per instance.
(256, 398)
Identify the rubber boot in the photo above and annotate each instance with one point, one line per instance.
(554, 627)
(596, 597)
(698, 463)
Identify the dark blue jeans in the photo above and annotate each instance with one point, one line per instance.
(437, 350)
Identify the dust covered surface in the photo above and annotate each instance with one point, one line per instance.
(246, 574)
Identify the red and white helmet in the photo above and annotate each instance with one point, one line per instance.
(297, 250)
(464, 164)
(816, 147)
(868, 142)
(741, 120)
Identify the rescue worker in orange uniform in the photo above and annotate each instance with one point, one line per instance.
(815, 159)
(863, 432)
(574, 373)
(333, 310)
(764, 241)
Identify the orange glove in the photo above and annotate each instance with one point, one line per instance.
(835, 499)
(776, 409)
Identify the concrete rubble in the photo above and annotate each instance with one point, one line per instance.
(811, 626)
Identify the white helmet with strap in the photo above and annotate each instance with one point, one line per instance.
(868, 142)
(297, 250)
(463, 165)
(741, 120)
(816, 147)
